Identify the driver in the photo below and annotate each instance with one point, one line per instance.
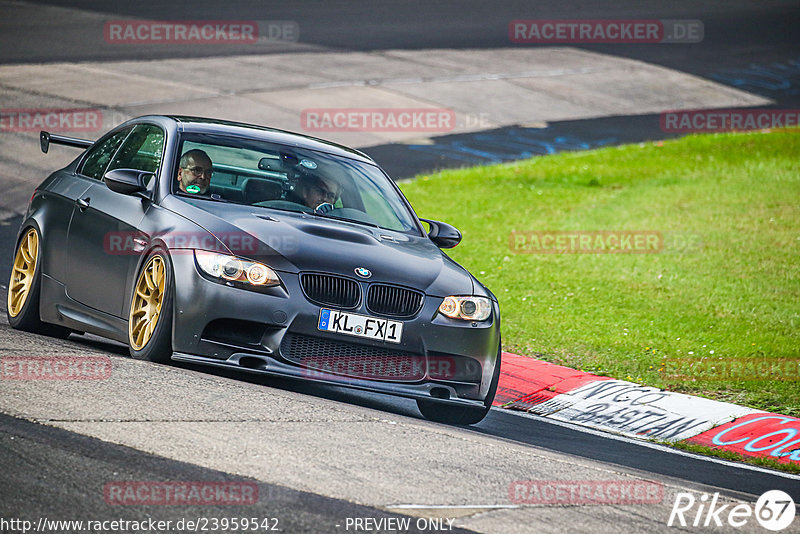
(194, 172)
(315, 190)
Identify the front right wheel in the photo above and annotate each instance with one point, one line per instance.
(461, 415)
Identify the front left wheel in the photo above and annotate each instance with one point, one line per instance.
(150, 317)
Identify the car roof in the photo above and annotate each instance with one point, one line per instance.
(263, 133)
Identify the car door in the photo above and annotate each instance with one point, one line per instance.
(103, 239)
(61, 195)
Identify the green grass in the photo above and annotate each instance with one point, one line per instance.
(627, 315)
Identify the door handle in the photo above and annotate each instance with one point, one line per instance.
(83, 203)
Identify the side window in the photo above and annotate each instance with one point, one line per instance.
(97, 159)
(142, 149)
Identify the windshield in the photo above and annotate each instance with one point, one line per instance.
(269, 175)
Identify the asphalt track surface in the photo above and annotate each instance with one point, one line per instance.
(737, 33)
(752, 46)
(46, 471)
(40, 462)
(60, 475)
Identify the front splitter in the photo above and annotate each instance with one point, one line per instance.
(263, 365)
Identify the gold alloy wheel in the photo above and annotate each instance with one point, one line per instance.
(147, 300)
(19, 287)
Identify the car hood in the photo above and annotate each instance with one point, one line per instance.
(294, 242)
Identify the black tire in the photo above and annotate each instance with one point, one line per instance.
(28, 318)
(159, 346)
(461, 415)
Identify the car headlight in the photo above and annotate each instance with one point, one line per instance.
(467, 308)
(236, 269)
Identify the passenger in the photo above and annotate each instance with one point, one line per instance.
(314, 190)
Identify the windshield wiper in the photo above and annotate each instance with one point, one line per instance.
(357, 221)
(213, 196)
(287, 210)
(316, 213)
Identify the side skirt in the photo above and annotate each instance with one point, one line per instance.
(56, 307)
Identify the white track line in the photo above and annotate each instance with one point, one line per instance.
(450, 507)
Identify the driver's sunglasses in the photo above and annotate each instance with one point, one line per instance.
(200, 171)
(329, 196)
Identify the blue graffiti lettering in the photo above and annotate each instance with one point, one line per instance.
(509, 145)
(781, 78)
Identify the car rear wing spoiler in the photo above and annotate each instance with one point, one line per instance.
(45, 138)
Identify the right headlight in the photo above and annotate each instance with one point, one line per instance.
(466, 308)
(234, 269)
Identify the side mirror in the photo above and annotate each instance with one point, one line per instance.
(127, 181)
(44, 141)
(443, 234)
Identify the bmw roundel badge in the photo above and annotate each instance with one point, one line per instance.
(362, 272)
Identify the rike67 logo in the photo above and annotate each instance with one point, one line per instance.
(774, 510)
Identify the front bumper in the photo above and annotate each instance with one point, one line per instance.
(216, 324)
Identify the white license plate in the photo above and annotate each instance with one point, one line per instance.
(360, 325)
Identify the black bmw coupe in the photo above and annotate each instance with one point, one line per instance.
(256, 249)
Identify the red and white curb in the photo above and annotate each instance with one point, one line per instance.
(643, 412)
